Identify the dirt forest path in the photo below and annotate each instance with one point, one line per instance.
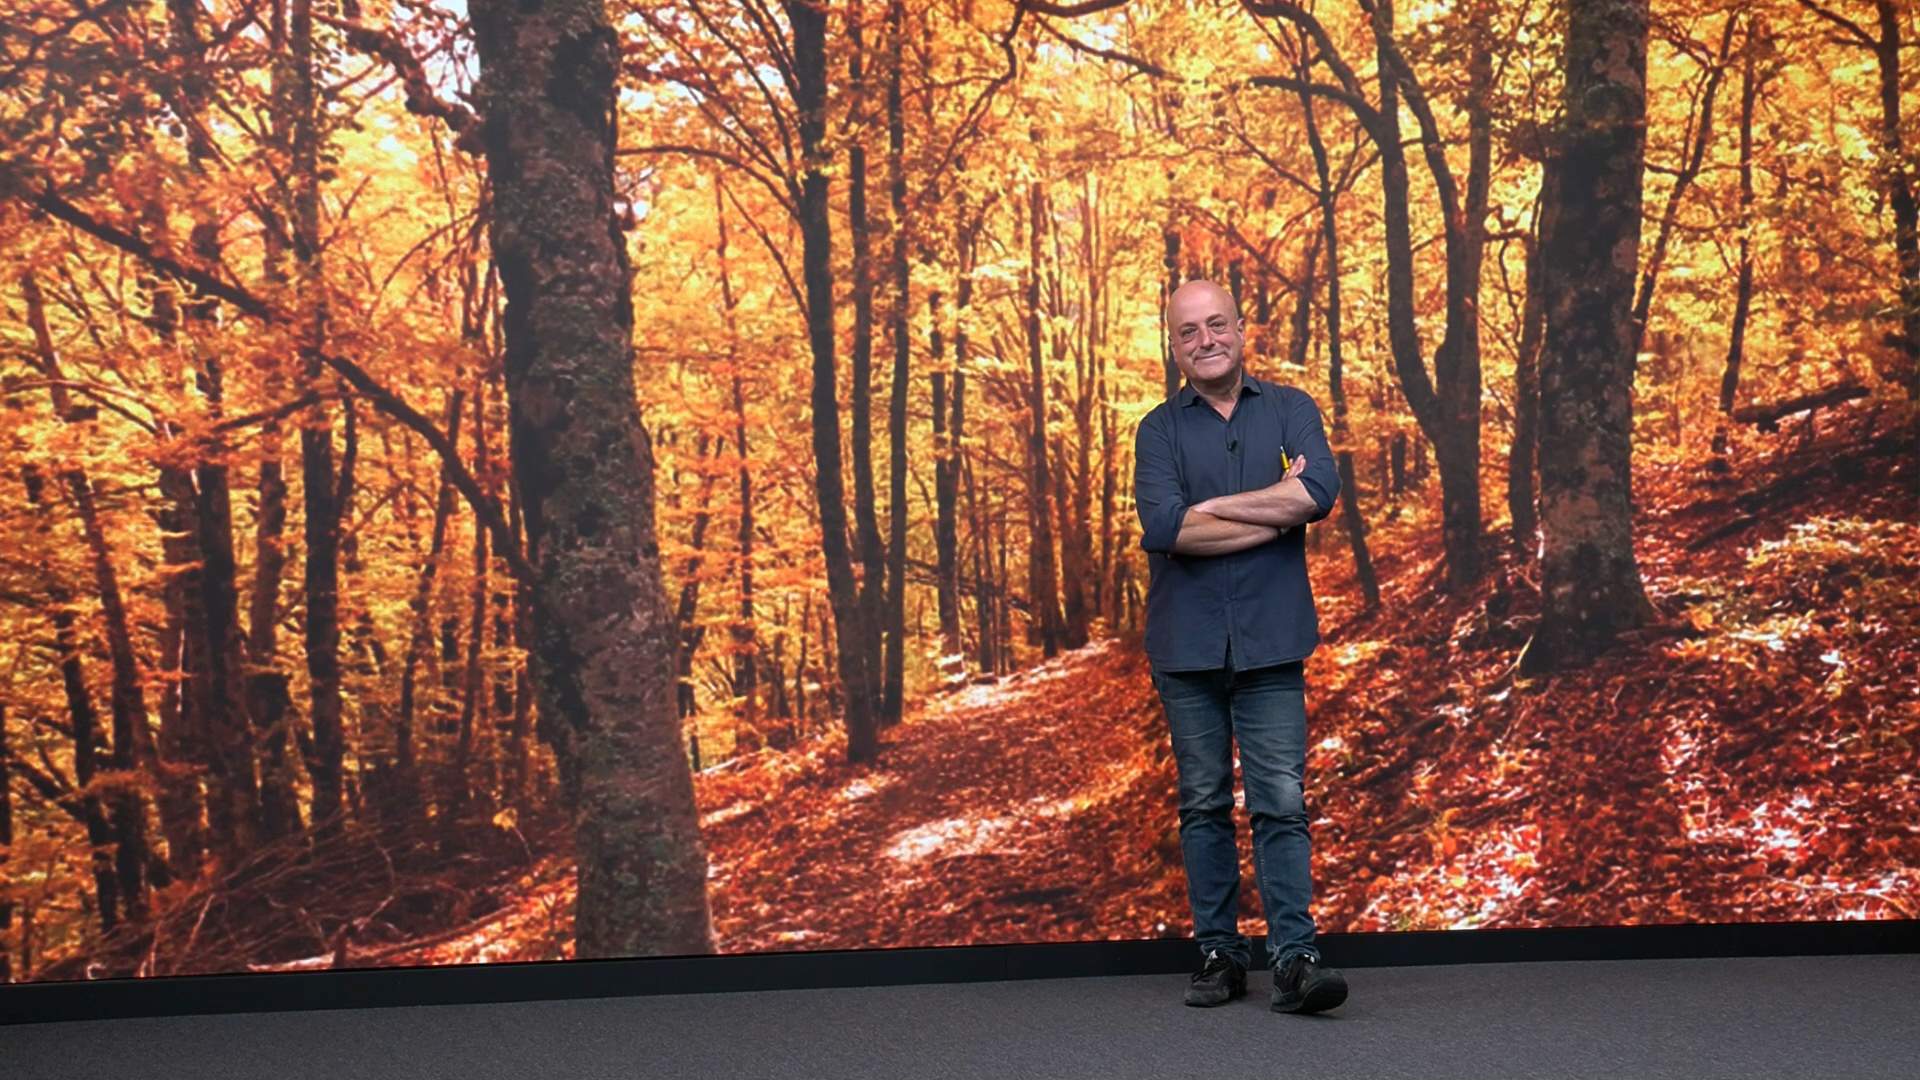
(1038, 807)
(1021, 810)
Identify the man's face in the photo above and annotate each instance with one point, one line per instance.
(1208, 338)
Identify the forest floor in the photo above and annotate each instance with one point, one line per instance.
(1751, 757)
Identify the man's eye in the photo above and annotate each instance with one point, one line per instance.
(1187, 332)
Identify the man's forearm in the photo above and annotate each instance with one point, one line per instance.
(1278, 506)
(1202, 533)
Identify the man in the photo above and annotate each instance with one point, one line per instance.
(1227, 471)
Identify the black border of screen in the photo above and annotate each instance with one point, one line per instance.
(564, 979)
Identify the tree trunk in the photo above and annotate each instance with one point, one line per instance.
(856, 670)
(129, 711)
(458, 791)
(893, 696)
(268, 806)
(985, 619)
(1589, 246)
(520, 746)
(1743, 289)
(1300, 337)
(603, 648)
(178, 798)
(966, 241)
(225, 724)
(1906, 213)
(689, 631)
(1350, 515)
(945, 526)
(873, 556)
(6, 853)
(406, 762)
(269, 698)
(1447, 406)
(128, 702)
(1457, 365)
(1003, 587)
(1098, 301)
(746, 675)
(85, 723)
(182, 745)
(800, 667)
(1080, 584)
(1072, 567)
(1040, 550)
(976, 516)
(845, 596)
(1169, 369)
(1522, 492)
(1111, 554)
(322, 516)
(1701, 128)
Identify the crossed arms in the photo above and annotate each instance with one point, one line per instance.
(1230, 523)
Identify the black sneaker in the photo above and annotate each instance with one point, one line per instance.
(1301, 985)
(1219, 981)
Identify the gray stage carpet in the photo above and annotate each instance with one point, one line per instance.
(1826, 1016)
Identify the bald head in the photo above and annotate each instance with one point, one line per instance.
(1200, 290)
(1207, 335)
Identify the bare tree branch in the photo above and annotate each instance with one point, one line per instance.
(1368, 116)
(484, 508)
(421, 100)
(1132, 61)
(1853, 29)
(1070, 11)
(779, 194)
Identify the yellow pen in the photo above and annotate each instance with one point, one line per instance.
(1283, 460)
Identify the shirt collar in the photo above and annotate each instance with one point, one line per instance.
(1248, 385)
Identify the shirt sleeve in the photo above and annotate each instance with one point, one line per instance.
(1157, 497)
(1307, 435)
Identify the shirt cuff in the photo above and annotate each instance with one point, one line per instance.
(1322, 497)
(1162, 527)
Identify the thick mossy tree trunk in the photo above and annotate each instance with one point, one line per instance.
(1589, 249)
(603, 635)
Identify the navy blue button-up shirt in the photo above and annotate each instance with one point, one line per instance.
(1256, 603)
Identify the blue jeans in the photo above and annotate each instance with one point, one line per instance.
(1207, 711)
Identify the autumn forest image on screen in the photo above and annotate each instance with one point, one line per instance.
(488, 481)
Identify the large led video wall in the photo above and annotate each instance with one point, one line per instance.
(486, 481)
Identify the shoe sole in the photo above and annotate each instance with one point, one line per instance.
(1327, 995)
